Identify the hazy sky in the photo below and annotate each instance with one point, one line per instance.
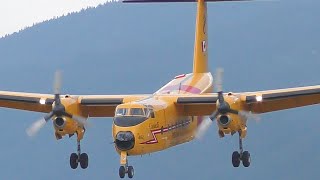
(137, 48)
(18, 14)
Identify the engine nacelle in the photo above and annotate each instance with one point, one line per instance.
(59, 122)
(224, 120)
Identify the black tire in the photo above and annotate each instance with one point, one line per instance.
(130, 172)
(122, 172)
(84, 160)
(74, 161)
(246, 160)
(235, 159)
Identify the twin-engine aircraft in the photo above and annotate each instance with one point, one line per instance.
(173, 115)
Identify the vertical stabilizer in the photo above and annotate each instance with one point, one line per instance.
(200, 59)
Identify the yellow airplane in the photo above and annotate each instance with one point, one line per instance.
(171, 116)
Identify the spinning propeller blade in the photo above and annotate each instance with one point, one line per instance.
(203, 128)
(58, 109)
(57, 82)
(35, 127)
(218, 79)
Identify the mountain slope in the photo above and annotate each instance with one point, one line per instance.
(137, 48)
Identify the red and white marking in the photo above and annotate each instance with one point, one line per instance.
(180, 76)
(154, 140)
(204, 46)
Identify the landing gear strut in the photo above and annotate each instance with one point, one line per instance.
(124, 168)
(243, 156)
(76, 158)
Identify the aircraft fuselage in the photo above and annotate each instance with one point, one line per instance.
(167, 126)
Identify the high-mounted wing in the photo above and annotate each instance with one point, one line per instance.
(256, 102)
(26, 101)
(91, 105)
(275, 100)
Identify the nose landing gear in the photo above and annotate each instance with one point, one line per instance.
(124, 168)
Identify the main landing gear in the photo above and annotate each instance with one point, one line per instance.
(124, 168)
(243, 156)
(76, 158)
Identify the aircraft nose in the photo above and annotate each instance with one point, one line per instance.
(125, 140)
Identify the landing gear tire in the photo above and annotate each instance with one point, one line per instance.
(122, 172)
(74, 161)
(130, 172)
(84, 160)
(246, 159)
(79, 158)
(235, 159)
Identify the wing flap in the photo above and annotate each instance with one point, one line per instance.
(197, 100)
(104, 105)
(102, 101)
(198, 105)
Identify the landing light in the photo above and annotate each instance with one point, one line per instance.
(259, 98)
(42, 101)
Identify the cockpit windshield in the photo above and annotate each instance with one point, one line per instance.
(126, 117)
(137, 112)
(121, 112)
(145, 112)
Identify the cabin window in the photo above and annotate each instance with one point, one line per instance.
(136, 112)
(121, 112)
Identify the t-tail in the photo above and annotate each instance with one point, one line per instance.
(200, 58)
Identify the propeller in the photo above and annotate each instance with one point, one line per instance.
(223, 107)
(203, 127)
(58, 109)
(245, 115)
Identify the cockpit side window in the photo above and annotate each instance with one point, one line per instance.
(146, 112)
(151, 113)
(136, 112)
(121, 112)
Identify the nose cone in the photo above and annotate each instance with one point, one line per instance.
(124, 140)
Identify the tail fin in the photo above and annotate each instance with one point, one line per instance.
(200, 59)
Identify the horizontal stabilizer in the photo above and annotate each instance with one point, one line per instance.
(160, 1)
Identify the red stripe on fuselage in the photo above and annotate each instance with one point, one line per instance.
(154, 140)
